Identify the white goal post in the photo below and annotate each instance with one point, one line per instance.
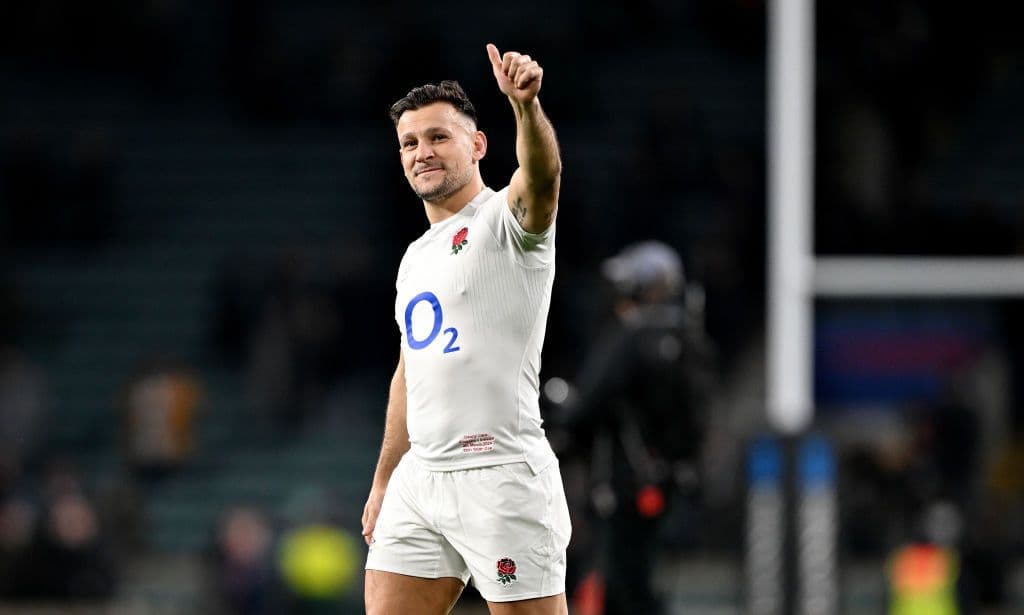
(796, 277)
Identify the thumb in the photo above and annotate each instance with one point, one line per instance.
(492, 53)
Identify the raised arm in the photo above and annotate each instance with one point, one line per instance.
(396, 443)
(533, 190)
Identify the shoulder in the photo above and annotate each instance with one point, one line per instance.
(500, 219)
(499, 197)
(490, 204)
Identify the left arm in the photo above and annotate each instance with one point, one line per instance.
(533, 190)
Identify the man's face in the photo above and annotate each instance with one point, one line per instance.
(440, 148)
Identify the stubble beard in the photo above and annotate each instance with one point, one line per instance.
(448, 186)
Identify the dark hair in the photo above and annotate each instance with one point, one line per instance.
(446, 91)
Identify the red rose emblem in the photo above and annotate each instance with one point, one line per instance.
(459, 241)
(506, 566)
(506, 571)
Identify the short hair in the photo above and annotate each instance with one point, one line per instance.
(446, 91)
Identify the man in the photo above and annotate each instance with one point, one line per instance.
(467, 486)
(638, 400)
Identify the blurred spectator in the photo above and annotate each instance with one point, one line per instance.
(23, 409)
(640, 400)
(864, 160)
(121, 507)
(160, 405)
(924, 574)
(933, 457)
(995, 532)
(69, 560)
(292, 358)
(235, 304)
(944, 452)
(242, 566)
(356, 294)
(68, 557)
(17, 529)
(60, 477)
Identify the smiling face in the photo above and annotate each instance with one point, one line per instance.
(440, 149)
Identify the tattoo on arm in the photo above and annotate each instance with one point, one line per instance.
(518, 210)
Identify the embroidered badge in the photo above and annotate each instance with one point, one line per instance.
(506, 571)
(459, 241)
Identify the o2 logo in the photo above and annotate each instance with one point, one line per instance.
(420, 344)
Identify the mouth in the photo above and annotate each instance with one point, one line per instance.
(427, 171)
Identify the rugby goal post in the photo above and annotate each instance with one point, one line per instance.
(796, 277)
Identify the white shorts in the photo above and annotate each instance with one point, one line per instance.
(503, 526)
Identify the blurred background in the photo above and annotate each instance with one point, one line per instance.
(201, 217)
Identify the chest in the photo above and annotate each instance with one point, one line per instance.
(445, 281)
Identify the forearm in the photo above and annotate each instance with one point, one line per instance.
(396, 432)
(533, 189)
(536, 146)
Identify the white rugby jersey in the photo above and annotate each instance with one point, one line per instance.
(472, 306)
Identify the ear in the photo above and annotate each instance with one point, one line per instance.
(479, 145)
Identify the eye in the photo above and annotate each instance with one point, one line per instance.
(408, 144)
(438, 138)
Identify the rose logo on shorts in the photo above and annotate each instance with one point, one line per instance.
(459, 241)
(506, 571)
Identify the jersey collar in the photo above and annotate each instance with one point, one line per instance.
(468, 210)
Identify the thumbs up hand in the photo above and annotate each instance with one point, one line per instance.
(518, 75)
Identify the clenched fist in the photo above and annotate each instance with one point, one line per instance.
(518, 75)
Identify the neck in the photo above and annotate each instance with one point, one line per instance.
(453, 203)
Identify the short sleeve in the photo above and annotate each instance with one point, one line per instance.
(530, 249)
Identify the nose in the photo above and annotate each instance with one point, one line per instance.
(424, 152)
